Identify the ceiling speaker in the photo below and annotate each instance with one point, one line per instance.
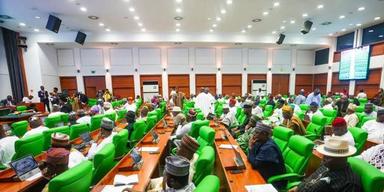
(281, 39)
(53, 24)
(307, 27)
(80, 38)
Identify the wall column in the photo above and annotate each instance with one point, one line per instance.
(164, 75)
(269, 73)
(332, 49)
(192, 77)
(244, 74)
(136, 74)
(218, 73)
(107, 66)
(292, 76)
(79, 76)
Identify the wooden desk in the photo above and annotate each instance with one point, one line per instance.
(230, 181)
(150, 161)
(371, 143)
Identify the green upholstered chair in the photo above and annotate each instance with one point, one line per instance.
(281, 136)
(159, 113)
(115, 104)
(103, 162)
(363, 101)
(360, 109)
(30, 145)
(139, 102)
(21, 108)
(218, 109)
(92, 102)
(121, 114)
(138, 132)
(111, 116)
(194, 132)
(210, 183)
(77, 179)
(371, 178)
(315, 129)
(300, 114)
(360, 136)
(296, 157)
(268, 111)
(76, 130)
(151, 122)
(19, 128)
(239, 110)
(153, 113)
(200, 116)
(241, 118)
(47, 135)
(204, 164)
(120, 141)
(364, 119)
(206, 137)
(96, 121)
(304, 107)
(330, 114)
(52, 121)
(65, 118)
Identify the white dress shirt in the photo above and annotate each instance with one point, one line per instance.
(7, 149)
(348, 137)
(84, 119)
(36, 130)
(182, 130)
(75, 158)
(311, 114)
(97, 147)
(375, 130)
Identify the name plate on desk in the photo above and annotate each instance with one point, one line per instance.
(134, 162)
(153, 139)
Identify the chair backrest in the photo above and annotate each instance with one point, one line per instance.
(206, 137)
(268, 110)
(92, 102)
(210, 183)
(365, 119)
(200, 116)
(120, 141)
(371, 178)
(76, 130)
(159, 113)
(151, 122)
(204, 164)
(153, 113)
(330, 114)
(103, 162)
(111, 116)
(300, 114)
(317, 126)
(52, 121)
(139, 129)
(218, 109)
(121, 114)
(360, 137)
(47, 135)
(281, 136)
(360, 109)
(297, 154)
(304, 107)
(96, 121)
(363, 101)
(78, 177)
(21, 108)
(19, 128)
(238, 112)
(194, 132)
(30, 145)
(65, 118)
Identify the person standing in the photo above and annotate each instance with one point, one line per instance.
(300, 99)
(44, 98)
(315, 96)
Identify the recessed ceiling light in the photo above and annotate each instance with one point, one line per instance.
(292, 21)
(178, 18)
(179, 1)
(370, 31)
(140, 24)
(273, 32)
(177, 30)
(361, 9)
(83, 9)
(330, 34)
(359, 24)
(256, 20)
(132, 9)
(214, 25)
(320, 6)
(107, 30)
(136, 17)
(265, 13)
(209, 19)
(341, 16)
(229, 2)
(143, 30)
(218, 18)
(223, 11)
(178, 24)
(381, 36)
(93, 17)
(178, 10)
(305, 15)
(276, 4)
(249, 26)
(101, 24)
(37, 17)
(22, 24)
(211, 30)
(314, 29)
(343, 29)
(282, 27)
(377, 18)
(36, 30)
(350, 24)
(243, 31)
(284, 21)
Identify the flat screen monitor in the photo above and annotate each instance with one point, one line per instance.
(354, 64)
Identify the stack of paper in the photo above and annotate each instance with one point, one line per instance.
(260, 188)
(125, 180)
(149, 149)
(227, 146)
(112, 188)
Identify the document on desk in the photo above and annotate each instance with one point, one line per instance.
(149, 149)
(112, 188)
(260, 188)
(228, 146)
(125, 180)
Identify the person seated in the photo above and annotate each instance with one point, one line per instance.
(108, 107)
(130, 105)
(271, 101)
(179, 120)
(130, 117)
(277, 116)
(351, 117)
(27, 99)
(55, 163)
(155, 101)
(7, 149)
(176, 176)
(36, 126)
(313, 110)
(83, 117)
(300, 99)
(293, 122)
(315, 96)
(181, 131)
(256, 109)
(342, 105)
(328, 103)
(368, 110)
(232, 105)
(375, 127)
(335, 173)
(339, 128)
(105, 137)
(66, 106)
(143, 113)
(374, 156)
(361, 94)
(187, 148)
(55, 111)
(247, 109)
(72, 118)
(228, 118)
(243, 139)
(175, 110)
(264, 155)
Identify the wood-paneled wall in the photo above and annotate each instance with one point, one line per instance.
(68, 83)
(92, 84)
(151, 78)
(280, 84)
(320, 81)
(231, 84)
(376, 49)
(255, 77)
(123, 86)
(180, 82)
(206, 80)
(304, 81)
(370, 85)
(337, 85)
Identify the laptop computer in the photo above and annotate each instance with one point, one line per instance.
(86, 137)
(136, 156)
(25, 167)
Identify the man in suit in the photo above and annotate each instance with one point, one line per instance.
(43, 95)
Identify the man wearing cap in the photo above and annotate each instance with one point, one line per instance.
(335, 173)
(339, 128)
(175, 110)
(182, 130)
(264, 155)
(328, 104)
(293, 122)
(375, 127)
(130, 105)
(98, 107)
(105, 137)
(36, 126)
(313, 110)
(108, 107)
(361, 94)
(368, 110)
(256, 109)
(300, 99)
(277, 116)
(342, 105)
(243, 139)
(228, 117)
(315, 96)
(60, 140)
(82, 117)
(232, 105)
(204, 101)
(247, 108)
(351, 117)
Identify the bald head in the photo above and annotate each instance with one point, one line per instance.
(35, 122)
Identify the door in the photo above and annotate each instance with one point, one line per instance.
(280, 84)
(206, 80)
(69, 84)
(180, 82)
(92, 84)
(123, 86)
(231, 84)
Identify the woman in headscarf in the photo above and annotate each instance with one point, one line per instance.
(293, 122)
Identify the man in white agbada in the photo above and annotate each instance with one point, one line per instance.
(374, 156)
(375, 128)
(205, 101)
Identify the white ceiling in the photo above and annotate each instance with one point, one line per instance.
(157, 17)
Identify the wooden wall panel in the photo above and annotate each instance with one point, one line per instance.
(206, 80)
(304, 81)
(377, 49)
(336, 57)
(231, 84)
(68, 83)
(320, 81)
(92, 84)
(337, 85)
(255, 77)
(123, 86)
(151, 78)
(180, 82)
(280, 84)
(370, 85)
